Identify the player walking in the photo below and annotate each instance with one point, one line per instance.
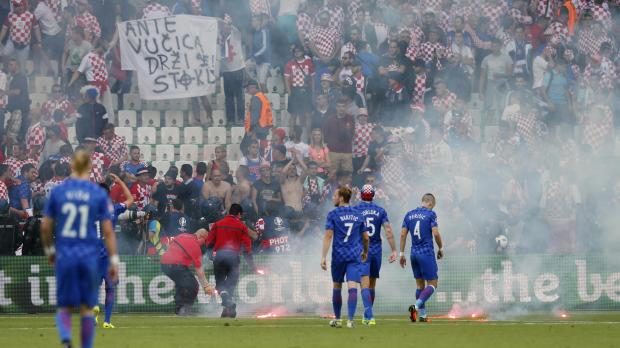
(374, 217)
(422, 224)
(346, 227)
(104, 261)
(71, 212)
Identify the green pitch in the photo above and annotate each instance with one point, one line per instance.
(154, 331)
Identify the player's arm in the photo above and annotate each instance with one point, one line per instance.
(327, 241)
(389, 234)
(110, 243)
(365, 243)
(47, 228)
(439, 242)
(403, 240)
(129, 198)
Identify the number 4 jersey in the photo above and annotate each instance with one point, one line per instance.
(76, 206)
(374, 217)
(348, 226)
(420, 222)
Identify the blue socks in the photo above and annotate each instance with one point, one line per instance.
(88, 331)
(424, 296)
(352, 302)
(63, 324)
(109, 303)
(337, 302)
(367, 300)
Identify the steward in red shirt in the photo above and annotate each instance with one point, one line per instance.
(226, 238)
(184, 251)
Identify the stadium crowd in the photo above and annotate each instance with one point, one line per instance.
(505, 110)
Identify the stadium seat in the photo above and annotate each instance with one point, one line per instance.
(151, 118)
(146, 153)
(236, 135)
(127, 118)
(115, 101)
(192, 135)
(132, 101)
(147, 135)
(274, 100)
(189, 152)
(162, 167)
(285, 106)
(43, 84)
(125, 132)
(164, 152)
(173, 118)
(170, 135)
(233, 152)
(275, 85)
(37, 99)
(180, 104)
(166, 104)
(178, 164)
(208, 153)
(219, 118)
(216, 135)
(71, 135)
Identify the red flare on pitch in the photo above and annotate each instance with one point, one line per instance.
(267, 315)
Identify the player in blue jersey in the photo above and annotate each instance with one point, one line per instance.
(110, 286)
(422, 224)
(374, 217)
(72, 211)
(347, 229)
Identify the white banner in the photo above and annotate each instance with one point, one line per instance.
(175, 57)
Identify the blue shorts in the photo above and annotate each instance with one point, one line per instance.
(352, 270)
(77, 281)
(424, 266)
(372, 266)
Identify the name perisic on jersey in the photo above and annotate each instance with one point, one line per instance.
(348, 218)
(78, 195)
(416, 217)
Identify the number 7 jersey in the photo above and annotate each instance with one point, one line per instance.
(420, 222)
(348, 226)
(76, 206)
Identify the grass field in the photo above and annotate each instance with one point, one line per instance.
(154, 331)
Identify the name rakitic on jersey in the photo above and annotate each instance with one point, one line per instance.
(348, 218)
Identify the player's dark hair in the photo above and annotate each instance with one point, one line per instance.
(235, 209)
(428, 198)
(201, 168)
(177, 204)
(345, 193)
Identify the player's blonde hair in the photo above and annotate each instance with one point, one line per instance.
(428, 198)
(81, 163)
(345, 193)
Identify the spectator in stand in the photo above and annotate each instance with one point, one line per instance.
(555, 92)
(265, 190)
(374, 159)
(142, 188)
(299, 82)
(20, 194)
(21, 25)
(259, 118)
(331, 93)
(495, 70)
(61, 172)
(3, 100)
(86, 20)
(324, 42)
(361, 140)
(112, 145)
(18, 159)
(175, 221)
(319, 153)
(153, 9)
(75, 50)
(94, 69)
(18, 96)
(296, 147)
(5, 176)
(92, 116)
(216, 187)
(166, 193)
(134, 163)
(287, 18)
(252, 161)
(278, 158)
(396, 103)
(58, 110)
(220, 163)
(291, 188)
(338, 131)
(232, 68)
(321, 110)
(259, 61)
(189, 191)
(51, 36)
(53, 143)
(99, 160)
(35, 138)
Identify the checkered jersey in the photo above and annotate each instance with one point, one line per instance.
(299, 72)
(347, 226)
(114, 149)
(336, 17)
(304, 24)
(416, 35)
(16, 165)
(155, 10)
(601, 14)
(590, 44)
(428, 50)
(393, 173)
(55, 6)
(360, 83)
(361, 139)
(598, 127)
(428, 155)
(547, 8)
(558, 30)
(49, 186)
(560, 203)
(444, 103)
(21, 26)
(352, 8)
(324, 39)
(494, 13)
(466, 122)
(419, 89)
(96, 173)
(348, 47)
(65, 159)
(4, 192)
(606, 73)
(259, 7)
(35, 137)
(519, 17)
(528, 127)
(475, 39)
(37, 187)
(89, 22)
(141, 194)
(50, 106)
(430, 4)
